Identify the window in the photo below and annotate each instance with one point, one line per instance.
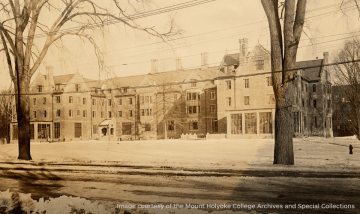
(228, 101)
(34, 101)
(141, 99)
(329, 89)
(120, 102)
(214, 125)
(306, 87)
(305, 122)
(94, 114)
(228, 84)
(212, 95)
(34, 114)
(70, 113)
(102, 102)
(78, 130)
(247, 100)
(314, 103)
(110, 90)
(175, 97)
(193, 126)
(56, 130)
(130, 101)
(126, 128)
(193, 96)
(246, 83)
(44, 113)
(250, 123)
(84, 113)
(15, 132)
(43, 131)
(303, 103)
(32, 131)
(124, 90)
(58, 113)
(57, 99)
(94, 102)
(39, 88)
(112, 129)
(265, 123)
(102, 114)
(71, 99)
(269, 81)
(109, 114)
(130, 113)
(84, 101)
(77, 87)
(147, 127)
(270, 99)
(78, 112)
(170, 124)
(193, 83)
(109, 101)
(120, 113)
(314, 88)
(296, 122)
(259, 64)
(212, 108)
(57, 87)
(315, 121)
(44, 100)
(191, 109)
(329, 103)
(95, 129)
(236, 123)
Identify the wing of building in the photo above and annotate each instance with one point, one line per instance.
(234, 100)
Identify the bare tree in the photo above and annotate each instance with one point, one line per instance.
(6, 108)
(286, 21)
(347, 76)
(19, 23)
(284, 45)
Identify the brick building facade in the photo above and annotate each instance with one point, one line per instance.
(233, 100)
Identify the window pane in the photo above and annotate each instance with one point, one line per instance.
(250, 123)
(265, 123)
(236, 124)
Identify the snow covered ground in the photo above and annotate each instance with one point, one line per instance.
(222, 153)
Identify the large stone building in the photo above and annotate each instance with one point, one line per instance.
(233, 100)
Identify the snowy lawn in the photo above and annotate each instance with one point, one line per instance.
(222, 153)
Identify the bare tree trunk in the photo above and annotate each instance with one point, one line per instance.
(23, 114)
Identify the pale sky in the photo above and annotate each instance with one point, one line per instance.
(213, 27)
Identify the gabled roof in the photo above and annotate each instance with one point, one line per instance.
(93, 83)
(312, 74)
(62, 79)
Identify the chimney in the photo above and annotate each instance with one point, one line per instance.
(178, 64)
(204, 61)
(49, 76)
(243, 47)
(326, 58)
(154, 66)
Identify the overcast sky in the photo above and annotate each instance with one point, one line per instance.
(213, 27)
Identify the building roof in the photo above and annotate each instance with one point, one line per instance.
(62, 79)
(105, 122)
(312, 74)
(231, 59)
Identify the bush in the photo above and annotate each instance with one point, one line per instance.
(19, 203)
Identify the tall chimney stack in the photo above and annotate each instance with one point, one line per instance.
(49, 76)
(154, 66)
(178, 64)
(326, 58)
(243, 47)
(204, 61)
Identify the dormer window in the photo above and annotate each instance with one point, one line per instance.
(193, 83)
(57, 87)
(77, 87)
(259, 64)
(39, 88)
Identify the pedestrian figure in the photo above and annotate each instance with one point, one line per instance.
(350, 148)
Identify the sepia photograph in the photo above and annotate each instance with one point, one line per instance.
(179, 106)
